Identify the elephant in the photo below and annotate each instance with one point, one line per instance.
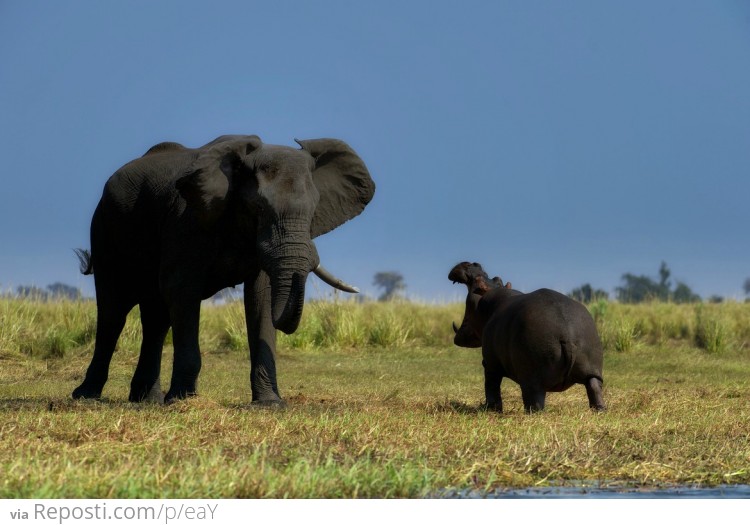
(179, 224)
(543, 340)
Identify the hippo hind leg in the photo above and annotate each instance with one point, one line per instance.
(533, 398)
(493, 376)
(594, 391)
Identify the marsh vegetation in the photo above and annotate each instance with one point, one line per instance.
(380, 404)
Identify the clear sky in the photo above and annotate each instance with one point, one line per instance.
(556, 143)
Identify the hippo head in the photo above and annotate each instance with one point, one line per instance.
(478, 283)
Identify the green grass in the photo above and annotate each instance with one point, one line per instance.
(380, 404)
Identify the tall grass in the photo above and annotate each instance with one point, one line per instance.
(711, 331)
(52, 329)
(346, 325)
(45, 329)
(714, 328)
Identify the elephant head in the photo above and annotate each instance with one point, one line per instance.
(282, 198)
(478, 283)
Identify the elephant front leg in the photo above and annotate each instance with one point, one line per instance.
(262, 341)
(493, 376)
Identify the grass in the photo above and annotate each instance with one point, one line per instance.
(380, 404)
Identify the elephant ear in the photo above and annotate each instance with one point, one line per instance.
(342, 180)
(208, 181)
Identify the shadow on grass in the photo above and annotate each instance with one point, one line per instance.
(54, 404)
(458, 407)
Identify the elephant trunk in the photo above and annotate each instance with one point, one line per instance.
(288, 299)
(288, 259)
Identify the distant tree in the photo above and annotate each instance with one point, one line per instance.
(716, 299)
(587, 294)
(746, 286)
(392, 284)
(664, 284)
(683, 294)
(64, 291)
(54, 292)
(639, 288)
(32, 292)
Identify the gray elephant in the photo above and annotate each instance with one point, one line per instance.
(543, 340)
(179, 224)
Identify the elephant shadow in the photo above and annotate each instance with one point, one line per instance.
(459, 407)
(53, 404)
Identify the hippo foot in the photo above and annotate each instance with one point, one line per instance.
(492, 407)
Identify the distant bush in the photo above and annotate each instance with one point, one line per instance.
(586, 294)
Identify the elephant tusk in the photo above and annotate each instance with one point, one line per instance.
(331, 280)
(455, 328)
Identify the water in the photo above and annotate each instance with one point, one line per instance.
(599, 492)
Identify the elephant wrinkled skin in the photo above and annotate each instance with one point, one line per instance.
(178, 224)
(543, 340)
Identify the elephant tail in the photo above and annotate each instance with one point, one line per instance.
(84, 260)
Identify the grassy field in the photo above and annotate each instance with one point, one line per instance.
(380, 404)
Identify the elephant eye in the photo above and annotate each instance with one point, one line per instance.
(268, 169)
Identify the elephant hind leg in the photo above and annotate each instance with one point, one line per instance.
(533, 398)
(110, 321)
(594, 391)
(185, 317)
(145, 385)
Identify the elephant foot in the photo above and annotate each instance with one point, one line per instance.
(85, 391)
(147, 395)
(274, 404)
(176, 394)
(267, 398)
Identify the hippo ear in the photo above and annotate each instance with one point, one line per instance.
(342, 180)
(480, 286)
(508, 286)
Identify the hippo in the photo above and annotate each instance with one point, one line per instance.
(542, 340)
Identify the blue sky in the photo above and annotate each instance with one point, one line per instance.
(556, 143)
